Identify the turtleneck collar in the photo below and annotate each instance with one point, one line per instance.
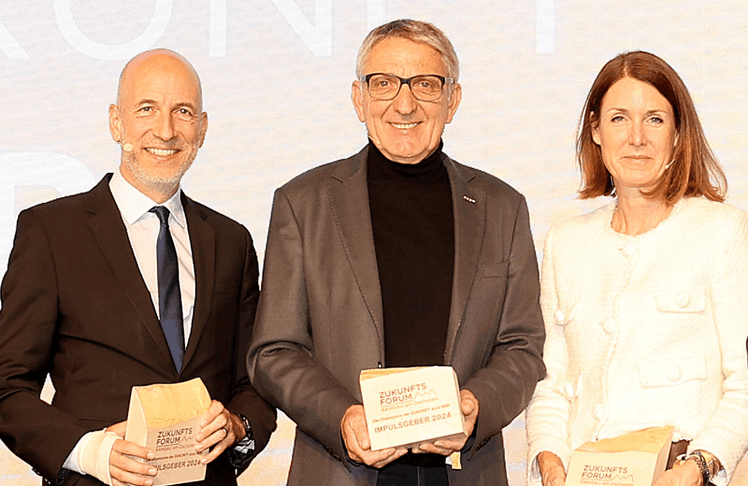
(381, 167)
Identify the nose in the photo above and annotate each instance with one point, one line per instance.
(164, 128)
(636, 134)
(405, 103)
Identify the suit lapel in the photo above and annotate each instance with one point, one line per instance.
(202, 239)
(111, 236)
(469, 208)
(349, 198)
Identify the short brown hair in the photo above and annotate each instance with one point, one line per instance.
(416, 31)
(695, 170)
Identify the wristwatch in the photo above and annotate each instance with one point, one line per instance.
(247, 444)
(708, 465)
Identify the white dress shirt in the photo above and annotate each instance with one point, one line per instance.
(142, 230)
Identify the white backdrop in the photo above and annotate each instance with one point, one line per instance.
(276, 77)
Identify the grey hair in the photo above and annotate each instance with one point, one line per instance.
(416, 31)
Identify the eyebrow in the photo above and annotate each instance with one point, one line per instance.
(180, 104)
(627, 110)
(146, 101)
(648, 112)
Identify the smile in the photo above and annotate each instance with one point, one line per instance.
(161, 152)
(637, 157)
(404, 126)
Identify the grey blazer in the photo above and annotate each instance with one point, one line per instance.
(319, 320)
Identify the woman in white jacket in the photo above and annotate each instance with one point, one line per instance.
(646, 299)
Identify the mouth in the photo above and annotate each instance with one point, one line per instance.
(404, 126)
(161, 152)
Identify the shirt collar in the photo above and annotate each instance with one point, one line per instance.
(133, 204)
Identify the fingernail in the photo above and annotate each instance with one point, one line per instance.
(148, 482)
(151, 455)
(152, 471)
(203, 461)
(199, 447)
(199, 437)
(203, 423)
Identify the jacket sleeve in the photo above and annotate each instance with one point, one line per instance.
(548, 412)
(281, 356)
(245, 399)
(505, 383)
(38, 433)
(725, 433)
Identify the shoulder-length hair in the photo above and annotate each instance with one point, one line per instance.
(695, 170)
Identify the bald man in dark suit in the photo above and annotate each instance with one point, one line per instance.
(83, 300)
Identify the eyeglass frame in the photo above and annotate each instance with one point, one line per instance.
(444, 79)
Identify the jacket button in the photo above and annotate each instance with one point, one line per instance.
(560, 317)
(599, 411)
(674, 373)
(629, 250)
(682, 299)
(610, 325)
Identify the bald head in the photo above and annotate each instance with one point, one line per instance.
(157, 59)
(158, 121)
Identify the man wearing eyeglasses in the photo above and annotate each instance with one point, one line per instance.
(398, 256)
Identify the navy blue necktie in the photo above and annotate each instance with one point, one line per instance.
(169, 295)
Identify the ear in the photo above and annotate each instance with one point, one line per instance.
(115, 124)
(357, 97)
(454, 101)
(203, 121)
(595, 128)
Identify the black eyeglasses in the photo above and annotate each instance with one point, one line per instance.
(425, 87)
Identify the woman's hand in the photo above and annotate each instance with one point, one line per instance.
(687, 474)
(552, 470)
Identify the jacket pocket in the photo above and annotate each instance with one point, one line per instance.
(493, 270)
(96, 423)
(671, 372)
(681, 301)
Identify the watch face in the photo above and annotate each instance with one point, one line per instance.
(247, 426)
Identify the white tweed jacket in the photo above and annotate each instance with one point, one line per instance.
(644, 331)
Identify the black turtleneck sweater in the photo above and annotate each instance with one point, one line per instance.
(411, 215)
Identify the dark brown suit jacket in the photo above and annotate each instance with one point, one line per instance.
(319, 321)
(75, 306)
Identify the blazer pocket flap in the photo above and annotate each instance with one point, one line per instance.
(494, 270)
(671, 373)
(683, 300)
(95, 423)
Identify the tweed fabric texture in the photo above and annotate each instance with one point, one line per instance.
(645, 331)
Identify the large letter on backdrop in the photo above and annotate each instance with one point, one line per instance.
(317, 37)
(10, 46)
(544, 26)
(84, 45)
